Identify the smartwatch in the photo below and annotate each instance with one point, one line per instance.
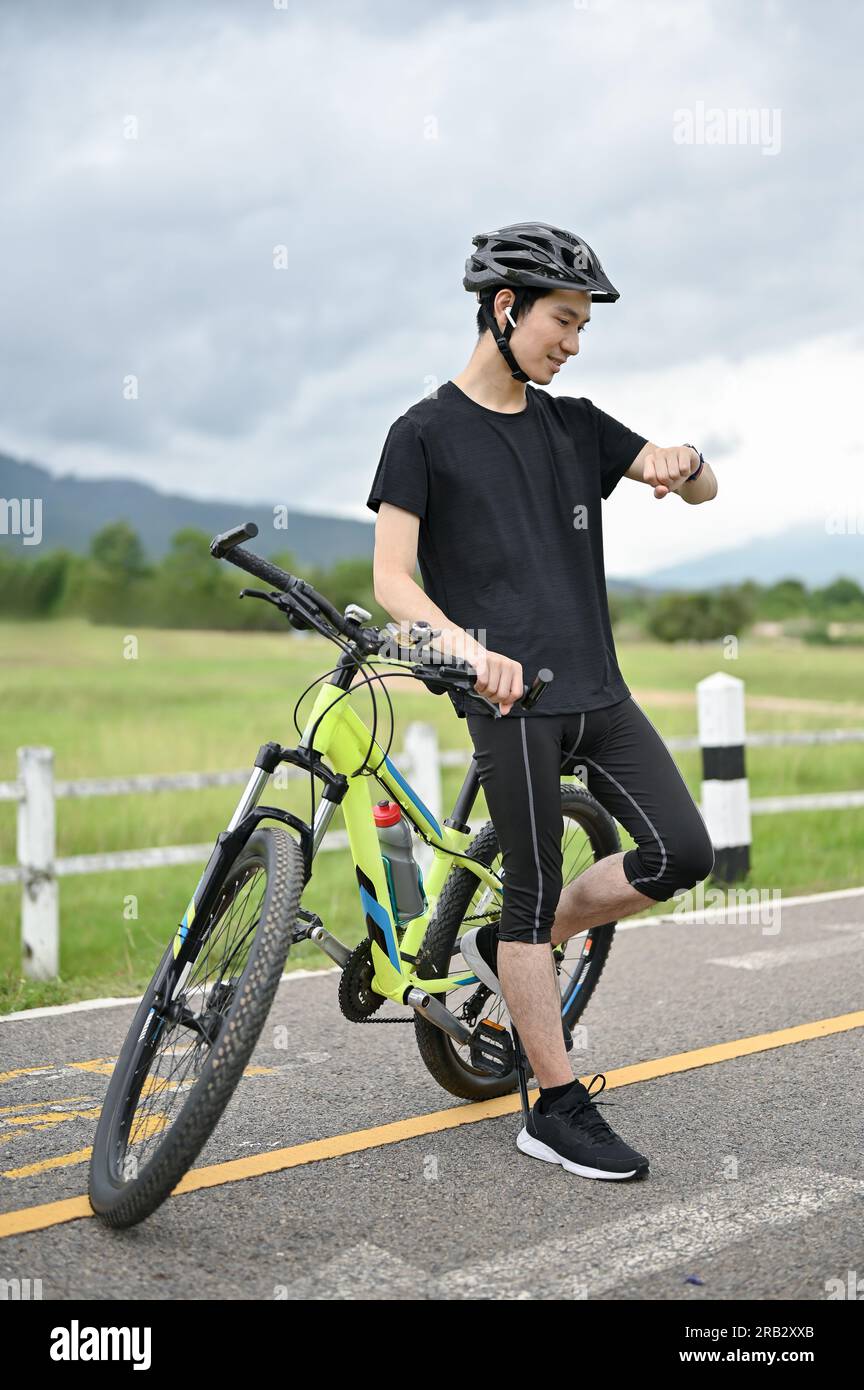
(701, 461)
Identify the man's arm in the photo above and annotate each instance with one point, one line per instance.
(395, 560)
(667, 470)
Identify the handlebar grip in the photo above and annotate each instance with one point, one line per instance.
(538, 685)
(255, 564)
(220, 545)
(530, 694)
(227, 547)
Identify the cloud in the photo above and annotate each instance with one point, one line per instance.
(372, 142)
(797, 453)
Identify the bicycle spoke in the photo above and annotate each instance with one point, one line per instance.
(181, 1051)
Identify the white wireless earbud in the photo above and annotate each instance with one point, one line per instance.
(509, 317)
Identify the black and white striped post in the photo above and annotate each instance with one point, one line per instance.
(725, 793)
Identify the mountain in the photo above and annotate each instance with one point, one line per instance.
(807, 552)
(73, 509)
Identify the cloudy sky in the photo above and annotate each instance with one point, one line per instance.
(154, 155)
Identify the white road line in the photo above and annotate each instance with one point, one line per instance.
(790, 955)
(86, 1004)
(366, 1271)
(678, 1237)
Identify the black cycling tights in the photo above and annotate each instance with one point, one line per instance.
(626, 766)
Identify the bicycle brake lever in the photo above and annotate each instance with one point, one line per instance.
(496, 710)
(259, 593)
(467, 689)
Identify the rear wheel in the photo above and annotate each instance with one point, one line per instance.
(589, 834)
(179, 1066)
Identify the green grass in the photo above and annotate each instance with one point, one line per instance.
(196, 701)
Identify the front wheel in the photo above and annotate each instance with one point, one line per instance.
(179, 1065)
(589, 834)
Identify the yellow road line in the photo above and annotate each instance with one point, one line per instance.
(13, 1115)
(49, 1119)
(103, 1065)
(336, 1146)
(23, 1125)
(50, 1214)
(37, 1104)
(62, 1161)
(27, 1071)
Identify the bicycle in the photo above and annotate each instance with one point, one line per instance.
(202, 1013)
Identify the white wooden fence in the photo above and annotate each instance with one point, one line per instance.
(725, 804)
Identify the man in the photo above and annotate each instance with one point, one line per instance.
(501, 485)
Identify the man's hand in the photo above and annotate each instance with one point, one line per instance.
(667, 469)
(498, 678)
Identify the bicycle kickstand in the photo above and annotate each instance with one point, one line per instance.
(521, 1072)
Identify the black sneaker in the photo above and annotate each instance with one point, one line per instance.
(479, 949)
(573, 1133)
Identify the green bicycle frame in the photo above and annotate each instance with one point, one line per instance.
(343, 739)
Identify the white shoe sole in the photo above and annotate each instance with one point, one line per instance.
(472, 957)
(529, 1145)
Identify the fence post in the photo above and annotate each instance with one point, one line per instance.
(725, 791)
(421, 753)
(40, 934)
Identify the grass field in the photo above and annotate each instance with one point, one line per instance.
(197, 701)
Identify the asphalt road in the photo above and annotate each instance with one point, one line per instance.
(756, 1188)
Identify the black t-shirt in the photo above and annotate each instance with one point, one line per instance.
(510, 544)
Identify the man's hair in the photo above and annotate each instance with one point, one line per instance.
(525, 297)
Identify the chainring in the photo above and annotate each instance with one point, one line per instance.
(357, 999)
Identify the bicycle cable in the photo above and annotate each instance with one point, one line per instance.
(368, 680)
(361, 662)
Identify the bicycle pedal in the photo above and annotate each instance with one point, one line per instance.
(491, 1048)
(304, 924)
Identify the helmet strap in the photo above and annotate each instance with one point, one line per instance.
(502, 338)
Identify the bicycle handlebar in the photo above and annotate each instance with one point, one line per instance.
(448, 675)
(227, 547)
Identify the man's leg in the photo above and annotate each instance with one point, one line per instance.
(529, 983)
(519, 762)
(631, 772)
(600, 894)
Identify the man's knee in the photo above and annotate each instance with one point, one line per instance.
(693, 862)
(659, 870)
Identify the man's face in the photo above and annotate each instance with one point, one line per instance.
(549, 333)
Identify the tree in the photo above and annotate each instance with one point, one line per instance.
(788, 598)
(112, 590)
(118, 549)
(699, 617)
(349, 581)
(842, 593)
(191, 588)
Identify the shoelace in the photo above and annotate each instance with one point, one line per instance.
(595, 1125)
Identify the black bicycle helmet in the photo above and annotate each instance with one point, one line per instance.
(535, 255)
